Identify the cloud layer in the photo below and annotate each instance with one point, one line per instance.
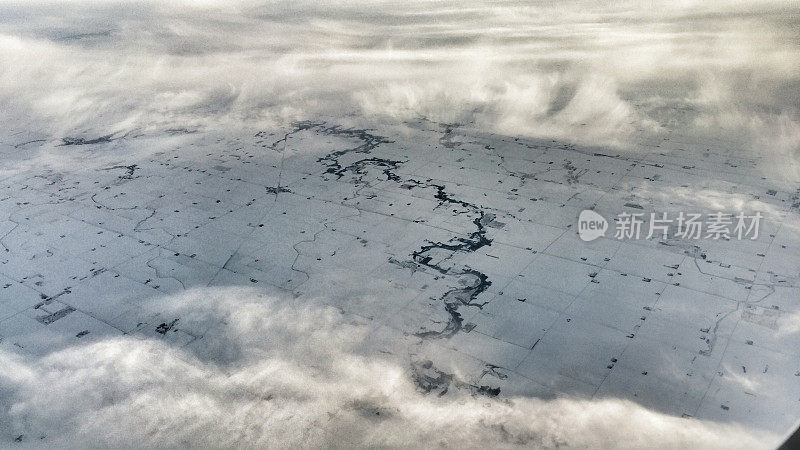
(604, 74)
(269, 373)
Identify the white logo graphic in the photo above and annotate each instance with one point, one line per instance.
(591, 225)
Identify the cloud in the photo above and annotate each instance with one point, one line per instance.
(599, 74)
(271, 373)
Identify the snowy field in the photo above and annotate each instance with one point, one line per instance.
(290, 224)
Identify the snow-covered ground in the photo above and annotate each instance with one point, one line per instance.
(216, 240)
(446, 247)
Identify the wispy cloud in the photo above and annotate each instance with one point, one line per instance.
(271, 373)
(606, 74)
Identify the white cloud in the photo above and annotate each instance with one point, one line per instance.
(271, 373)
(579, 71)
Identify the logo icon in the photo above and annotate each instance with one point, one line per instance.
(591, 225)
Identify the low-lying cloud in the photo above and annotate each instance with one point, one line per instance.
(272, 373)
(607, 74)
